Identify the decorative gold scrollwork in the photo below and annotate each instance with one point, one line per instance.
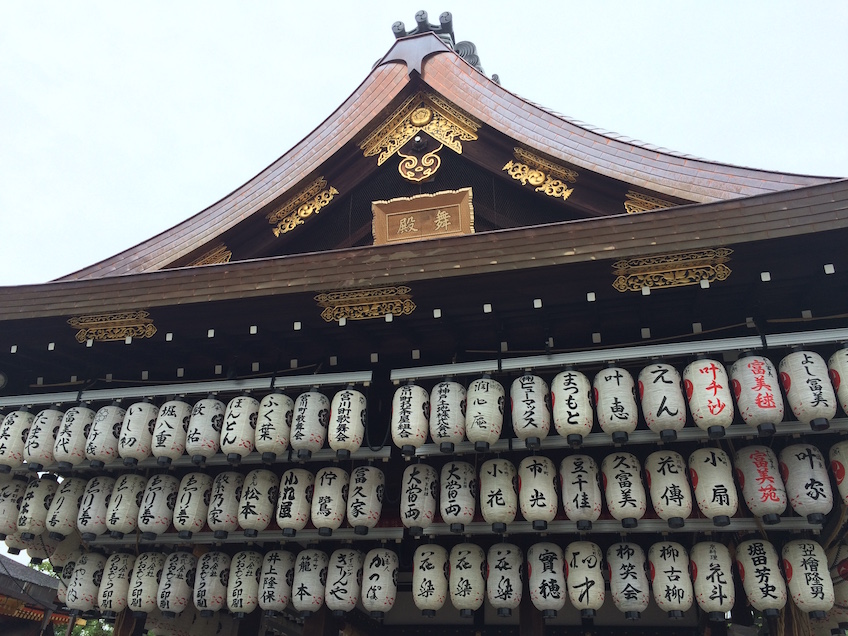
(362, 304)
(543, 175)
(216, 255)
(412, 168)
(638, 202)
(672, 270)
(115, 326)
(307, 202)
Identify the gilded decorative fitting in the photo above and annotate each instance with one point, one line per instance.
(362, 304)
(116, 326)
(307, 202)
(672, 270)
(638, 202)
(216, 255)
(543, 175)
(413, 168)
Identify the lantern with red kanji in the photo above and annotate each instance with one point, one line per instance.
(754, 382)
(615, 403)
(447, 414)
(484, 412)
(762, 487)
(712, 480)
(531, 416)
(804, 376)
(662, 400)
(707, 388)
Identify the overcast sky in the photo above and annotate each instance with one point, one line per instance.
(120, 119)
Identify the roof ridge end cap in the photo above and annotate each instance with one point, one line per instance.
(412, 50)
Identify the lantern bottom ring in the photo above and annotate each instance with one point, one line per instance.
(289, 532)
(234, 459)
(360, 530)
(198, 460)
(549, 613)
(584, 525)
(463, 613)
(446, 448)
(325, 532)
(429, 613)
(817, 615)
(819, 424)
(533, 443)
(575, 440)
(538, 524)
(251, 533)
(587, 613)
(96, 464)
(715, 432)
(211, 613)
(64, 466)
(766, 430)
(269, 458)
(771, 519)
(56, 536)
(816, 518)
(457, 527)
(716, 616)
(500, 527)
(629, 522)
(339, 613)
(185, 534)
(504, 612)
(342, 453)
(676, 614)
(132, 462)
(632, 615)
(220, 534)
(481, 447)
(620, 437)
(149, 536)
(35, 468)
(88, 536)
(676, 522)
(163, 461)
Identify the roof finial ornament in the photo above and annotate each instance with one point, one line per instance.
(422, 25)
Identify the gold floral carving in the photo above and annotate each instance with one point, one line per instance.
(115, 326)
(413, 168)
(307, 202)
(672, 270)
(638, 202)
(219, 254)
(362, 304)
(543, 175)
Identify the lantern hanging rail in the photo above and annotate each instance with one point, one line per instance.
(191, 388)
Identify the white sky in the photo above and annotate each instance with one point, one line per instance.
(121, 119)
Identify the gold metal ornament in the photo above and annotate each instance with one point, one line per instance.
(543, 175)
(307, 202)
(672, 270)
(362, 304)
(638, 202)
(216, 255)
(412, 168)
(114, 326)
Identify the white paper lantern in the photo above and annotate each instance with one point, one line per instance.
(94, 507)
(661, 395)
(503, 581)
(64, 550)
(715, 490)
(467, 584)
(498, 496)
(122, 515)
(484, 412)
(669, 565)
(273, 426)
(41, 548)
(708, 392)
(157, 505)
(379, 582)
(309, 424)
(348, 417)
(758, 398)
(410, 418)
(762, 486)
(531, 416)
(136, 437)
(670, 492)
(222, 516)
(838, 370)
(838, 463)
(581, 490)
(759, 569)
(458, 498)
(203, 436)
(537, 494)
(101, 444)
(169, 432)
(429, 578)
(837, 558)
(804, 377)
(144, 583)
(419, 497)
(712, 579)
(192, 505)
(69, 448)
(258, 501)
(12, 489)
(38, 449)
(239, 430)
(14, 430)
(15, 543)
(571, 403)
(32, 516)
(61, 519)
(113, 593)
(310, 578)
(623, 488)
(546, 578)
(175, 587)
(810, 587)
(275, 582)
(802, 467)
(329, 500)
(210, 583)
(628, 583)
(243, 584)
(365, 499)
(615, 401)
(447, 414)
(295, 504)
(67, 575)
(584, 577)
(83, 589)
(344, 581)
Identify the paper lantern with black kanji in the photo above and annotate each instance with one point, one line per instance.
(379, 581)
(15, 543)
(12, 489)
(458, 498)
(203, 436)
(275, 582)
(222, 515)
(169, 432)
(623, 488)
(157, 505)
(708, 393)
(101, 445)
(838, 462)
(192, 504)
(410, 418)
(38, 449)
(484, 412)
(84, 587)
(239, 429)
(329, 499)
(295, 501)
(348, 416)
(309, 424)
(531, 417)
(571, 404)
(498, 496)
(344, 581)
(615, 403)
(419, 497)
(273, 426)
(581, 490)
(802, 467)
(310, 579)
(762, 486)
(32, 515)
(61, 519)
(584, 577)
(243, 584)
(175, 587)
(712, 479)
(258, 501)
(14, 430)
(122, 515)
(804, 377)
(144, 583)
(41, 548)
(662, 400)
(670, 492)
(136, 439)
(429, 578)
(546, 578)
(113, 593)
(669, 567)
(629, 588)
(67, 575)
(64, 549)
(758, 398)
(810, 587)
(210, 582)
(94, 507)
(537, 494)
(466, 582)
(69, 447)
(837, 366)
(447, 414)
(365, 498)
(712, 579)
(503, 581)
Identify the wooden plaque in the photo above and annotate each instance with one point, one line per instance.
(424, 216)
